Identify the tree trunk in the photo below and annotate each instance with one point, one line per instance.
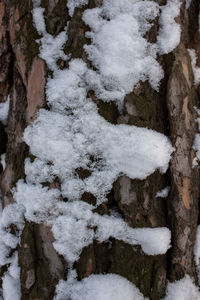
(170, 111)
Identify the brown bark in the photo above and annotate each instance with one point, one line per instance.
(170, 111)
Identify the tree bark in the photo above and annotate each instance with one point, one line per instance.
(23, 76)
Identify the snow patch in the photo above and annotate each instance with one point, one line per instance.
(72, 4)
(39, 202)
(75, 225)
(72, 135)
(11, 215)
(197, 251)
(38, 19)
(115, 150)
(11, 219)
(163, 193)
(195, 162)
(11, 280)
(98, 287)
(4, 108)
(196, 70)
(170, 31)
(118, 48)
(196, 145)
(50, 47)
(3, 160)
(183, 289)
(188, 3)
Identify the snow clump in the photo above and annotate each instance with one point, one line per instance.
(98, 287)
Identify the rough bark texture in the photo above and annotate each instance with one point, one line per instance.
(170, 111)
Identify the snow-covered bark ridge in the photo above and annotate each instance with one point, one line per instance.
(98, 287)
(72, 135)
(111, 286)
(119, 50)
(183, 289)
(12, 215)
(196, 70)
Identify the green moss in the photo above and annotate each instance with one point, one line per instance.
(89, 198)
(144, 108)
(142, 270)
(32, 157)
(109, 111)
(83, 173)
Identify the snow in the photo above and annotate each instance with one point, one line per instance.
(75, 225)
(196, 145)
(118, 50)
(72, 233)
(50, 47)
(188, 3)
(195, 162)
(11, 281)
(152, 240)
(163, 193)
(11, 215)
(73, 122)
(184, 289)
(38, 201)
(72, 4)
(196, 70)
(98, 287)
(135, 152)
(72, 135)
(170, 31)
(4, 108)
(3, 160)
(38, 17)
(38, 171)
(197, 251)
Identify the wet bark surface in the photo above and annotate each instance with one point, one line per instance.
(170, 111)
